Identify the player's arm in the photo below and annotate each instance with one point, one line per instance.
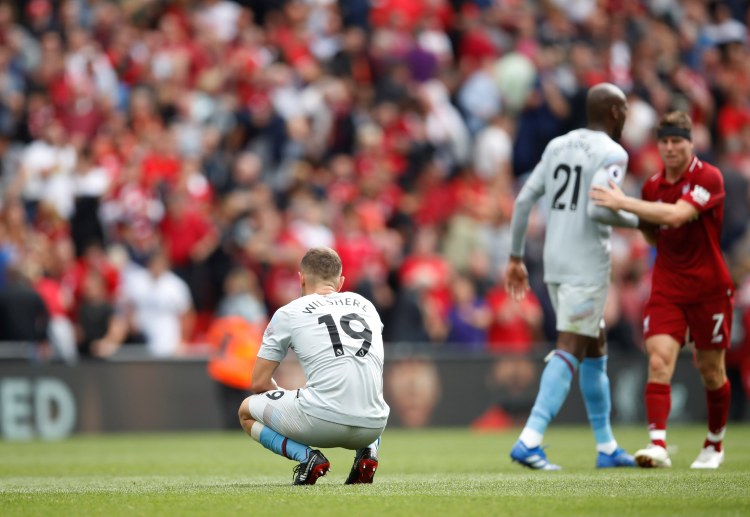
(516, 276)
(673, 215)
(276, 340)
(605, 215)
(532, 190)
(263, 376)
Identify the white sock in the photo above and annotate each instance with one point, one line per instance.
(657, 434)
(607, 448)
(374, 446)
(255, 430)
(531, 438)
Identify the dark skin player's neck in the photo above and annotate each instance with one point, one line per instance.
(598, 126)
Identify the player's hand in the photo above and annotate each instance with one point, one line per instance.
(612, 197)
(516, 278)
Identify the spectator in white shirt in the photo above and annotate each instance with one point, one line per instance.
(159, 304)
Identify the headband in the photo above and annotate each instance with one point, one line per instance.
(665, 131)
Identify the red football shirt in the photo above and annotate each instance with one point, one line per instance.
(689, 265)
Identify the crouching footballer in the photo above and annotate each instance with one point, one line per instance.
(337, 337)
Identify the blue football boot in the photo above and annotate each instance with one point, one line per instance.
(534, 457)
(619, 458)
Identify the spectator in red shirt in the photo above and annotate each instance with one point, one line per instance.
(515, 325)
(190, 238)
(55, 259)
(162, 165)
(424, 296)
(93, 259)
(692, 292)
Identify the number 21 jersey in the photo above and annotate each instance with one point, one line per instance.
(576, 247)
(338, 339)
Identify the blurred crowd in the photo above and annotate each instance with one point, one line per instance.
(166, 163)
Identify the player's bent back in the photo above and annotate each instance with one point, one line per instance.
(338, 340)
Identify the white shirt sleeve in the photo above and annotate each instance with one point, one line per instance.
(532, 190)
(277, 338)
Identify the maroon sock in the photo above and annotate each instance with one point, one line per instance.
(718, 412)
(658, 403)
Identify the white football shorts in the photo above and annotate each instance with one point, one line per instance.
(579, 308)
(280, 411)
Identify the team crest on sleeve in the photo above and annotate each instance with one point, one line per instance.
(269, 331)
(700, 195)
(615, 172)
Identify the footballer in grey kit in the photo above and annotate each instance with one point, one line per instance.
(339, 343)
(577, 240)
(576, 271)
(338, 339)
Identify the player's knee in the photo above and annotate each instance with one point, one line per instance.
(713, 375)
(243, 412)
(246, 421)
(659, 368)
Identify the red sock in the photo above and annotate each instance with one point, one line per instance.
(718, 412)
(658, 403)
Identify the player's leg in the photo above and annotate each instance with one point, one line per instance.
(662, 350)
(263, 432)
(664, 327)
(269, 418)
(711, 332)
(554, 386)
(364, 440)
(718, 399)
(594, 383)
(365, 464)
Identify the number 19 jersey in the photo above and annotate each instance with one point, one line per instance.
(576, 247)
(338, 339)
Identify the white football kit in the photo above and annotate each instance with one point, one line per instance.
(577, 239)
(338, 341)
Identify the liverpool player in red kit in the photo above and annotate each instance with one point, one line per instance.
(691, 297)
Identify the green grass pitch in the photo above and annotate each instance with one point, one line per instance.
(422, 472)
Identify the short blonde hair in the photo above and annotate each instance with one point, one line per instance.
(323, 263)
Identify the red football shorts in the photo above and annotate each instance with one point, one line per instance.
(706, 323)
